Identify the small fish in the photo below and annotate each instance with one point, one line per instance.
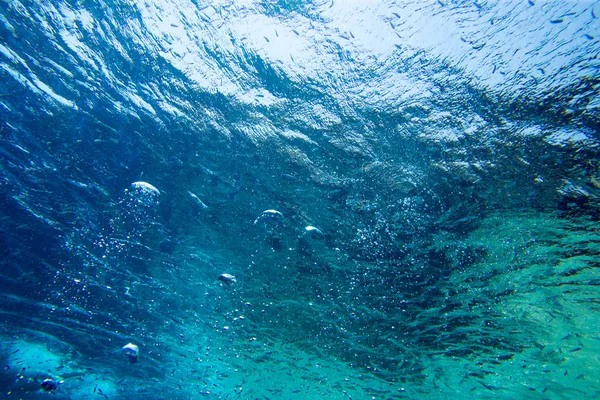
(488, 387)
(575, 349)
(505, 357)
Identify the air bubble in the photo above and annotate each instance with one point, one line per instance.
(144, 194)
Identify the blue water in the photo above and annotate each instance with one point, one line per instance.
(403, 195)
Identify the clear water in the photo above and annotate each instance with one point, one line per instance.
(444, 152)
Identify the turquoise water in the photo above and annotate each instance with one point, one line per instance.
(299, 200)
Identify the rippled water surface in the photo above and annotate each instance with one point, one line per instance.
(299, 199)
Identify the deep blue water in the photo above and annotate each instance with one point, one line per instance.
(407, 194)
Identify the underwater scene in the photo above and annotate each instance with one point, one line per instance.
(286, 199)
